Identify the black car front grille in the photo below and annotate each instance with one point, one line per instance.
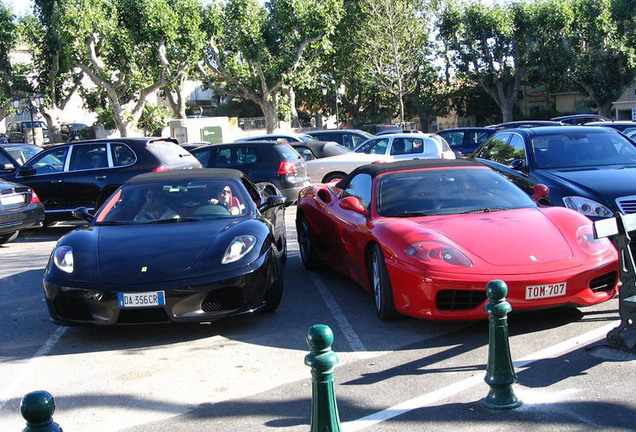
(459, 299)
(222, 299)
(604, 282)
(72, 308)
(142, 316)
(627, 204)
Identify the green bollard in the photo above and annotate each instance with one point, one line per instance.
(321, 359)
(500, 372)
(37, 408)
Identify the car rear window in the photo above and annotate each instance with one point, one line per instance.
(287, 152)
(170, 153)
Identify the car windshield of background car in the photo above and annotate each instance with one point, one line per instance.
(583, 149)
(447, 191)
(187, 200)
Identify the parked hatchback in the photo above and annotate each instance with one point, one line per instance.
(466, 140)
(275, 167)
(85, 173)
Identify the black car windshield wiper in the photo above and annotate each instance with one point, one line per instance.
(485, 210)
(173, 220)
(111, 223)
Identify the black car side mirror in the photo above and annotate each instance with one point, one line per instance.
(82, 213)
(25, 171)
(518, 165)
(272, 201)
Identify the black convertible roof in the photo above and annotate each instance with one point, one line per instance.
(180, 174)
(376, 169)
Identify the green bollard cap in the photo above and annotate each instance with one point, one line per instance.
(38, 407)
(496, 290)
(320, 337)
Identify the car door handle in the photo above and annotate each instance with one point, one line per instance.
(57, 181)
(100, 177)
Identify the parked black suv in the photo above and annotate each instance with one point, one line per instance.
(85, 173)
(276, 168)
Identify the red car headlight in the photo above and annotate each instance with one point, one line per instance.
(585, 239)
(435, 252)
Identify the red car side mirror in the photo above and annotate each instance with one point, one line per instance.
(353, 203)
(539, 191)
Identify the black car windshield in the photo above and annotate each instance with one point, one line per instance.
(582, 149)
(447, 191)
(175, 201)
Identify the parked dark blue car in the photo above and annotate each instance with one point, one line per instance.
(589, 169)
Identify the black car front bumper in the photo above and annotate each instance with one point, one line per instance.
(203, 299)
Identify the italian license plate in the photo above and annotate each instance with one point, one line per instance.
(140, 300)
(11, 199)
(545, 291)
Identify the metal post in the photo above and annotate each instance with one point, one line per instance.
(37, 409)
(321, 359)
(500, 373)
(32, 124)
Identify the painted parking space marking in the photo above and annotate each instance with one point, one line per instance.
(458, 387)
(30, 366)
(343, 323)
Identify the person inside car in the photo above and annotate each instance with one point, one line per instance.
(224, 197)
(155, 207)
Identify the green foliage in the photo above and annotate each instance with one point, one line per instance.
(153, 119)
(105, 118)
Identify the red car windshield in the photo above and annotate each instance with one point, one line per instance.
(447, 191)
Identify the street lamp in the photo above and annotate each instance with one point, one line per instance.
(339, 92)
(34, 102)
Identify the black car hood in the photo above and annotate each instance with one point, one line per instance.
(604, 184)
(158, 252)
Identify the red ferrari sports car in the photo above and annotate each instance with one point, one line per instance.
(426, 236)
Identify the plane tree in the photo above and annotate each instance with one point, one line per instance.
(130, 49)
(254, 52)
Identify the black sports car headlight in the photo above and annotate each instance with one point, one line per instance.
(239, 247)
(63, 258)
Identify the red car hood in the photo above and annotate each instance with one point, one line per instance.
(504, 238)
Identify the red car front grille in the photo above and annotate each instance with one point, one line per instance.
(604, 282)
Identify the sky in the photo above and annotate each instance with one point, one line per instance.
(20, 7)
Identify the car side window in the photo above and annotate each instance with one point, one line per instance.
(122, 155)
(518, 149)
(496, 150)
(360, 187)
(85, 157)
(4, 159)
(375, 147)
(50, 162)
(305, 152)
(203, 156)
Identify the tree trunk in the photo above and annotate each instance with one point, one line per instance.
(270, 111)
(52, 117)
(605, 109)
(292, 105)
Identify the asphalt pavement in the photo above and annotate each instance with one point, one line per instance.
(404, 375)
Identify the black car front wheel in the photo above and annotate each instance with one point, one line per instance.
(275, 292)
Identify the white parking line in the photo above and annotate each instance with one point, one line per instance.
(455, 388)
(352, 337)
(33, 362)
